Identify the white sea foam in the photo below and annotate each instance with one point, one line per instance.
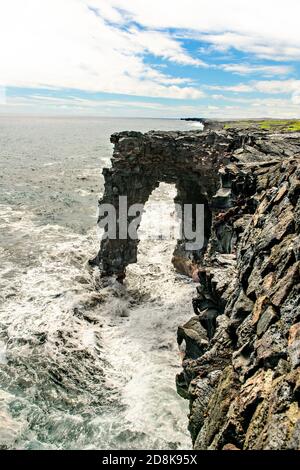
(84, 363)
(62, 327)
(3, 359)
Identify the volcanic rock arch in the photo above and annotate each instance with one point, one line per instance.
(140, 162)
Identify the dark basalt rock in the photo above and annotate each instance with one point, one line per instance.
(241, 361)
(255, 404)
(189, 160)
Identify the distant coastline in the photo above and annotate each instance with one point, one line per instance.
(267, 124)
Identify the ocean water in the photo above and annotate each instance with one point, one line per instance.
(85, 363)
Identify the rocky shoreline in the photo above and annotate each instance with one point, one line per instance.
(242, 346)
(244, 383)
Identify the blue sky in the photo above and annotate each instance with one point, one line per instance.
(170, 58)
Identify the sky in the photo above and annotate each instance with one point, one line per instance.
(150, 58)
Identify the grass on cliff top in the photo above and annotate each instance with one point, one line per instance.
(283, 125)
(289, 126)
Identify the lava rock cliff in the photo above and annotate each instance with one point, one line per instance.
(242, 346)
(241, 370)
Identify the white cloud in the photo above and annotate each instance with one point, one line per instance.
(107, 11)
(269, 28)
(72, 105)
(74, 102)
(65, 44)
(241, 88)
(291, 87)
(296, 99)
(265, 70)
(273, 87)
(90, 45)
(277, 86)
(259, 44)
(236, 107)
(162, 45)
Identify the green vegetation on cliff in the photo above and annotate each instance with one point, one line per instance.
(282, 125)
(289, 126)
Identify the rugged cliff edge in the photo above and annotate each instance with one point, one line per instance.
(242, 347)
(241, 367)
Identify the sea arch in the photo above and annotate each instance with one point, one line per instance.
(140, 162)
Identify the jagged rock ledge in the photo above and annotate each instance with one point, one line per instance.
(191, 161)
(242, 347)
(241, 367)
